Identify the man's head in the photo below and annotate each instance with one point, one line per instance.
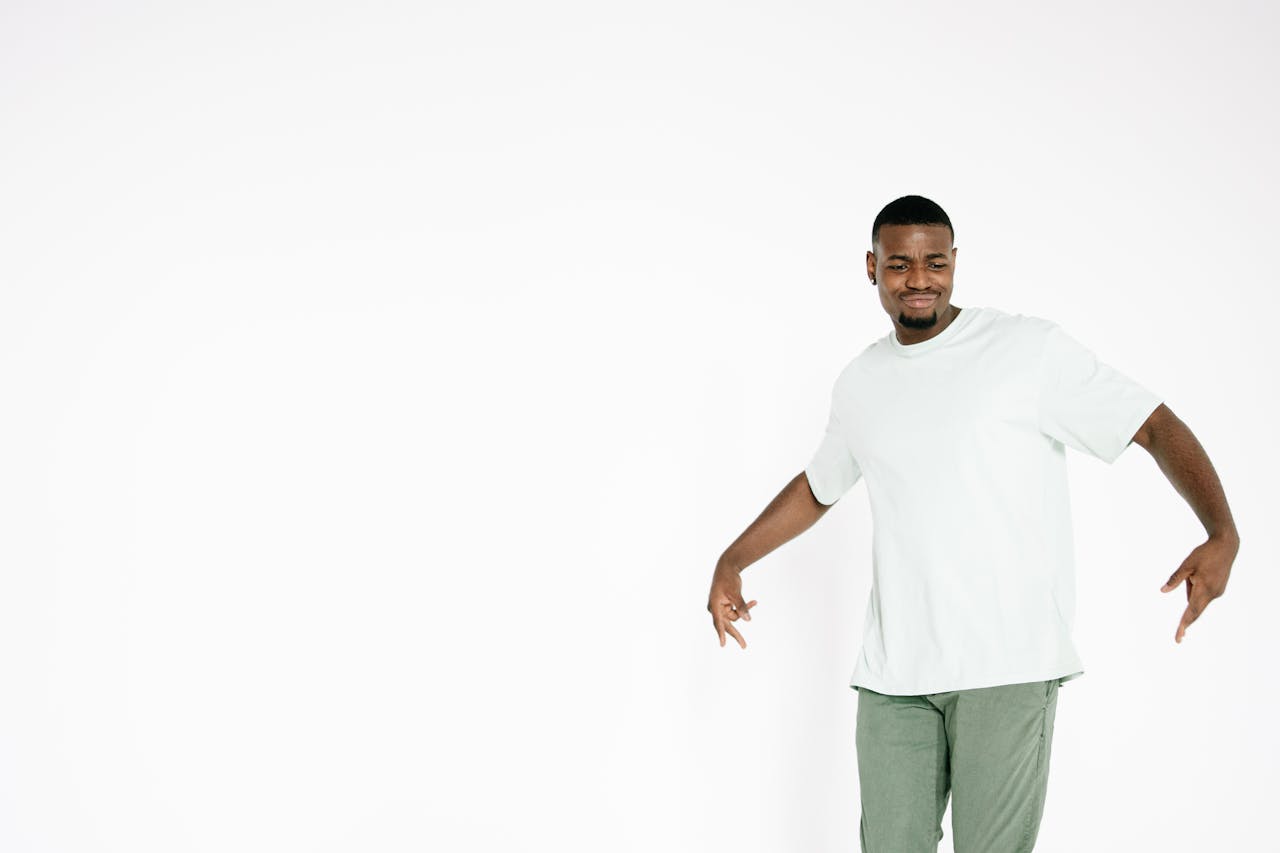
(912, 261)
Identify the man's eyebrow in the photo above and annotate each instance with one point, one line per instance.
(927, 257)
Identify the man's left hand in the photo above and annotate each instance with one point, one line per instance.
(1205, 570)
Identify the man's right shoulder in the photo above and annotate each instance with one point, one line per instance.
(855, 365)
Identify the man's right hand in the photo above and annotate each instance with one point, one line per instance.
(726, 604)
(792, 512)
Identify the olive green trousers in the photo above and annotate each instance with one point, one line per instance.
(987, 749)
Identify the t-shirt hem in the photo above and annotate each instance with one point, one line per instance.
(1135, 422)
(819, 490)
(1063, 674)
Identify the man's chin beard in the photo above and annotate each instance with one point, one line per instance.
(918, 322)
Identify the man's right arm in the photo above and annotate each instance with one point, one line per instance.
(791, 513)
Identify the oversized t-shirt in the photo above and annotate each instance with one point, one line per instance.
(961, 440)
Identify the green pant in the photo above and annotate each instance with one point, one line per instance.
(987, 748)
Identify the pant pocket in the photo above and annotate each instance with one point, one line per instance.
(1035, 808)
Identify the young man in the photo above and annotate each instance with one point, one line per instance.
(958, 420)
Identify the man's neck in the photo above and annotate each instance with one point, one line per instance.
(919, 336)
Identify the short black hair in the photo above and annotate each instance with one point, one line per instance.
(911, 210)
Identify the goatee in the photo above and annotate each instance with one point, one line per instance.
(918, 322)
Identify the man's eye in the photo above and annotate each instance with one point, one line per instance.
(898, 267)
(938, 266)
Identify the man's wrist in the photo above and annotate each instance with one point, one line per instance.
(1227, 535)
(726, 565)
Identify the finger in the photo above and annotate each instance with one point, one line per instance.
(734, 631)
(1177, 577)
(719, 628)
(744, 609)
(1187, 619)
(1191, 614)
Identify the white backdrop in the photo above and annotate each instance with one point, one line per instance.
(381, 382)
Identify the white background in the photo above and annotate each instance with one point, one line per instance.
(381, 382)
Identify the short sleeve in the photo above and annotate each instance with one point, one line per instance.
(832, 471)
(1086, 403)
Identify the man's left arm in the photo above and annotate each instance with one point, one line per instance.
(1180, 456)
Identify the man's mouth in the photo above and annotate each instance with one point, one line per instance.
(920, 301)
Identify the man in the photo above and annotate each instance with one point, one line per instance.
(958, 420)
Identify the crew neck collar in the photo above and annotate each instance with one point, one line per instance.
(910, 350)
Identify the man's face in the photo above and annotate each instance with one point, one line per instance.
(912, 266)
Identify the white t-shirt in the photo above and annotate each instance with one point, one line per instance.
(961, 441)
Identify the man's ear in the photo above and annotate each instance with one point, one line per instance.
(871, 266)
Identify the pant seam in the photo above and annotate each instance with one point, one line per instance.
(1034, 805)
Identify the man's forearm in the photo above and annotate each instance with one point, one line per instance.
(1185, 463)
(791, 513)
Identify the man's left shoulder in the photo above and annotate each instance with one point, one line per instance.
(1012, 318)
(1027, 328)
